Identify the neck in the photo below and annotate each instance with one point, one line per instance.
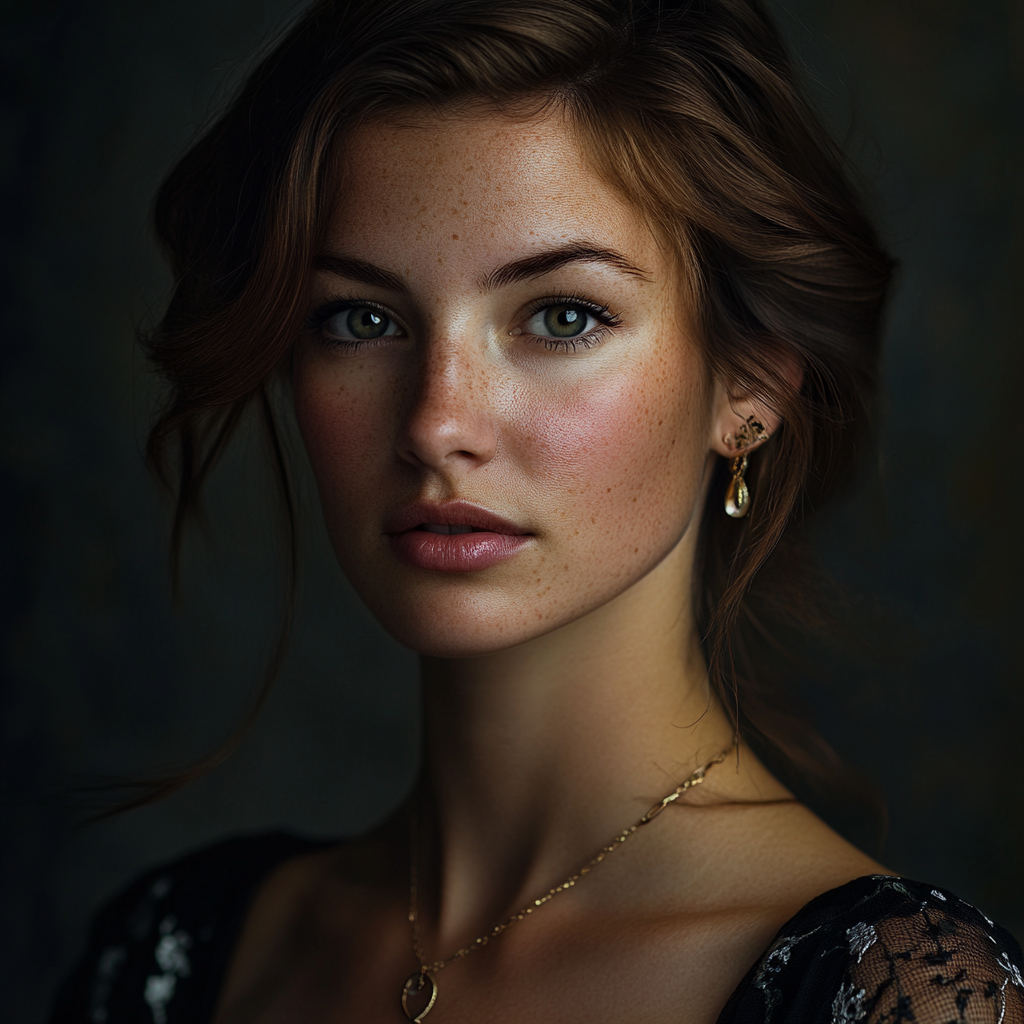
(538, 755)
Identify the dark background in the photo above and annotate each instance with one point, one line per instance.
(101, 676)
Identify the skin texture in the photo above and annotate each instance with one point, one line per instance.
(564, 688)
(599, 453)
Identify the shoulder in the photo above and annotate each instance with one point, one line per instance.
(883, 948)
(158, 950)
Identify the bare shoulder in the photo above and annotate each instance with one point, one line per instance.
(801, 857)
(775, 860)
(758, 850)
(706, 895)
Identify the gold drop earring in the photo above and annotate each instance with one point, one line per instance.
(737, 494)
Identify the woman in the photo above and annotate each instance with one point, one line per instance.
(580, 315)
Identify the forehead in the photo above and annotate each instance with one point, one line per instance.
(477, 184)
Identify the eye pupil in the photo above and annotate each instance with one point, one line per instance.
(565, 321)
(365, 323)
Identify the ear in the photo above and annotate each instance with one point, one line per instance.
(732, 412)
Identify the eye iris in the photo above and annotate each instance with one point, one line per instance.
(565, 321)
(365, 323)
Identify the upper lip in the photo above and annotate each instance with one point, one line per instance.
(451, 513)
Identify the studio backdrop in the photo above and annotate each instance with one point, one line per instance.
(104, 677)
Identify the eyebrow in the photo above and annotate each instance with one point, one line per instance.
(524, 269)
(550, 260)
(359, 270)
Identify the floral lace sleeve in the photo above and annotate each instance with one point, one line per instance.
(885, 950)
(157, 952)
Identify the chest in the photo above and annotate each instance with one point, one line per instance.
(649, 970)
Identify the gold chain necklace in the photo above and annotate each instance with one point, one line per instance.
(421, 987)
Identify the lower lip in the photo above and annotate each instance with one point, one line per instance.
(456, 552)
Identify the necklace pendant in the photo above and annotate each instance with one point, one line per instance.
(419, 995)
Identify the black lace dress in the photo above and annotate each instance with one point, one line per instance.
(879, 950)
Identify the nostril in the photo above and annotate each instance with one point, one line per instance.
(434, 447)
(444, 430)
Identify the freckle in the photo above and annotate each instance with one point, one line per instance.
(634, 501)
(455, 238)
(636, 551)
(609, 491)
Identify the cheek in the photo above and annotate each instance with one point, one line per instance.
(343, 429)
(627, 453)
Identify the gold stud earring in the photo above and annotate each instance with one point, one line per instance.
(737, 494)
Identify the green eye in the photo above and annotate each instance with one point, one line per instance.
(360, 323)
(562, 321)
(365, 323)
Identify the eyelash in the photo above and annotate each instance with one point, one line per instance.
(319, 316)
(608, 321)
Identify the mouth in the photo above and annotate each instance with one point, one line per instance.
(450, 517)
(453, 537)
(449, 528)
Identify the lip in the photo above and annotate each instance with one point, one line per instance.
(493, 539)
(451, 513)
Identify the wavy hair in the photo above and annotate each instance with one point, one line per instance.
(695, 111)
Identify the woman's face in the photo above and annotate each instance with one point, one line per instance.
(508, 422)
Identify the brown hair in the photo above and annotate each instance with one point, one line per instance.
(694, 110)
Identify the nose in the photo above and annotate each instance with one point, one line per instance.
(450, 424)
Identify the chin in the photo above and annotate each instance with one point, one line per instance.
(466, 626)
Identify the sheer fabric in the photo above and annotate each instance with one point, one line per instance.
(882, 950)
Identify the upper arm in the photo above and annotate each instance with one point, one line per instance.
(936, 966)
(108, 983)
(884, 950)
(157, 953)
